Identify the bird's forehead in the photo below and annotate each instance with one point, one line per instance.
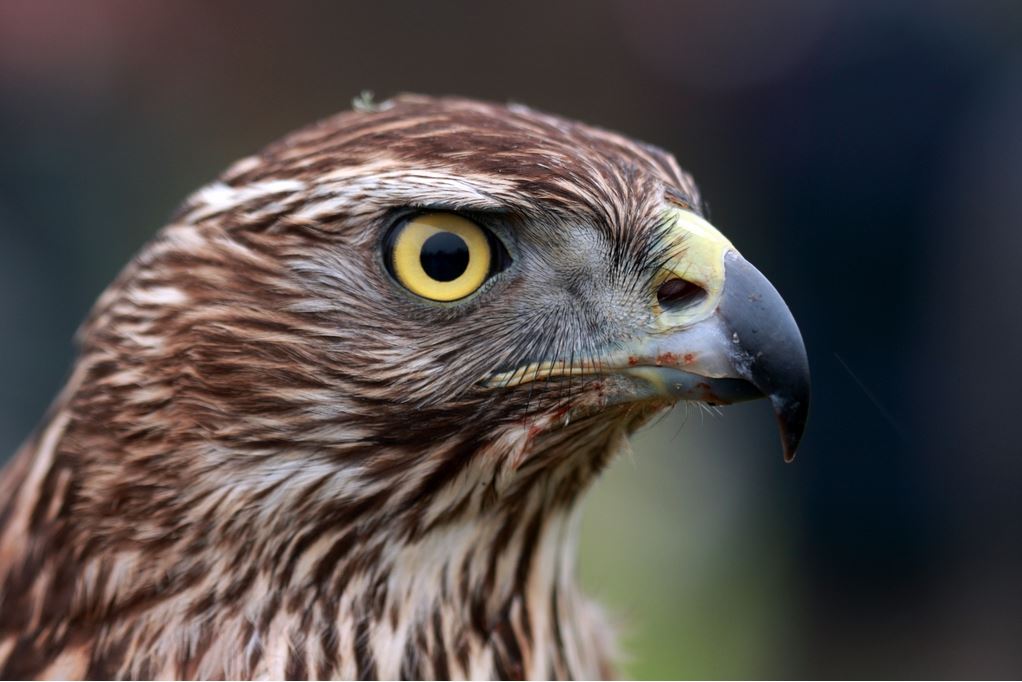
(469, 154)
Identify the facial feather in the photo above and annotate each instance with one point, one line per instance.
(272, 461)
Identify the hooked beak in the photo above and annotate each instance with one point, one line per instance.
(720, 334)
(740, 342)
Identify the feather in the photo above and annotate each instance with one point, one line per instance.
(272, 462)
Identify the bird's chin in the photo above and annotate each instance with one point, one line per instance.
(611, 399)
(647, 390)
(632, 396)
(673, 384)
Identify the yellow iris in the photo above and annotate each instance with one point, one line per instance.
(441, 256)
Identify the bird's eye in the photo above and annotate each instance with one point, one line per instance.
(442, 256)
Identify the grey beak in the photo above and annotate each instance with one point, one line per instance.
(766, 346)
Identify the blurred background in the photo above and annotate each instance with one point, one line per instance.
(867, 156)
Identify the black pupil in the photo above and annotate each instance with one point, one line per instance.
(444, 256)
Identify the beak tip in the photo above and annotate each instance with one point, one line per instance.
(789, 451)
(791, 417)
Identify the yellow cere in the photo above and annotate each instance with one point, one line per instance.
(407, 256)
(700, 260)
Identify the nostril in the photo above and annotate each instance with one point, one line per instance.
(679, 293)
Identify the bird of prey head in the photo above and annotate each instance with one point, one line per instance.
(335, 419)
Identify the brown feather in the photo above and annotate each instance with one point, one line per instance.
(270, 462)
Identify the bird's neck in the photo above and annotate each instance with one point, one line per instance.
(488, 600)
(480, 583)
(276, 574)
